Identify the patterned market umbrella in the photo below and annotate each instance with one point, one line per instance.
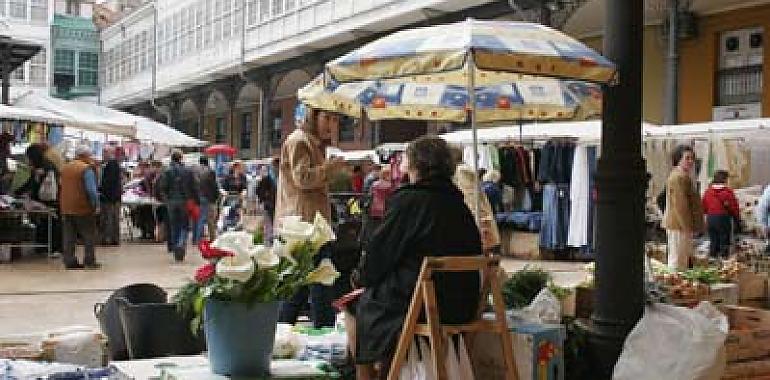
(472, 54)
(525, 98)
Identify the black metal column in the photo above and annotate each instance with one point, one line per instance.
(5, 71)
(621, 183)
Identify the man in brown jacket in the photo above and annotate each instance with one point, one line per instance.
(79, 207)
(303, 190)
(683, 217)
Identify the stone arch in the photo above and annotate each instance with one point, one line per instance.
(290, 82)
(217, 118)
(246, 119)
(189, 117)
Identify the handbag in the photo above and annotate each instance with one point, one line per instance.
(48, 188)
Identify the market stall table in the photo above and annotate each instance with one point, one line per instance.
(197, 367)
(130, 204)
(21, 241)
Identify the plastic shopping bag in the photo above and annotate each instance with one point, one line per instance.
(677, 343)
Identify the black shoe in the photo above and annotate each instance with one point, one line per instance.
(179, 254)
(93, 265)
(74, 266)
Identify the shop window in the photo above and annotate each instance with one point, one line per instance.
(347, 129)
(17, 9)
(88, 68)
(277, 8)
(37, 72)
(276, 129)
(17, 75)
(39, 11)
(199, 21)
(251, 12)
(221, 130)
(741, 61)
(246, 127)
(207, 21)
(3, 4)
(264, 10)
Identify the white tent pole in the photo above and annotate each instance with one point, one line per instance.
(472, 105)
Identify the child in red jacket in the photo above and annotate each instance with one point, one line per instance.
(721, 208)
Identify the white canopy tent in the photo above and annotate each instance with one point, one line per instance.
(88, 117)
(115, 123)
(34, 115)
(591, 131)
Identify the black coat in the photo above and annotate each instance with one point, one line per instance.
(111, 186)
(425, 219)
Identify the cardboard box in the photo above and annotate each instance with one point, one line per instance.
(752, 285)
(522, 245)
(749, 335)
(538, 349)
(723, 294)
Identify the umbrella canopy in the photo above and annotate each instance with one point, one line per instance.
(524, 98)
(495, 46)
(220, 149)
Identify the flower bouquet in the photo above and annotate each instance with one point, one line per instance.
(235, 295)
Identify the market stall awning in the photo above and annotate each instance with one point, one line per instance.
(33, 115)
(87, 116)
(584, 131)
(151, 130)
(14, 52)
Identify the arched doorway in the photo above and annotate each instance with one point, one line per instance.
(217, 118)
(246, 119)
(282, 107)
(189, 118)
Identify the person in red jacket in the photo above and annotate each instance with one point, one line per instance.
(721, 208)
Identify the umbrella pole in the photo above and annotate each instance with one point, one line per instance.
(472, 106)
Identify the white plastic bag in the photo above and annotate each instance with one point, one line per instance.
(677, 343)
(545, 308)
(419, 364)
(48, 188)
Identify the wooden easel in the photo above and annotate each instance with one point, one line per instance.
(424, 298)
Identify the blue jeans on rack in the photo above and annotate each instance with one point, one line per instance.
(555, 223)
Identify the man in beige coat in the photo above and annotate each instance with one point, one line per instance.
(303, 190)
(683, 217)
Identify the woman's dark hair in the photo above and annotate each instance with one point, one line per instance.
(431, 157)
(36, 155)
(721, 176)
(679, 152)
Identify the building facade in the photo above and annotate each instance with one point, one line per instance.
(721, 57)
(67, 65)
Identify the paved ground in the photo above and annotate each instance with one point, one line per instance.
(37, 294)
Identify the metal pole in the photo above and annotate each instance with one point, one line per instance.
(672, 66)
(621, 183)
(472, 109)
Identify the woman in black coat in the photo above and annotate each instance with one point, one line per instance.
(426, 217)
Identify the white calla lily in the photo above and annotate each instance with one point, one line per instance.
(322, 232)
(239, 268)
(264, 257)
(293, 228)
(238, 242)
(281, 250)
(324, 274)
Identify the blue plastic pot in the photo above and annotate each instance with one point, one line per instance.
(239, 337)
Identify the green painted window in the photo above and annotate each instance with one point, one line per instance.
(88, 67)
(64, 62)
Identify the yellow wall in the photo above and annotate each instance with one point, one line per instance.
(699, 61)
(654, 73)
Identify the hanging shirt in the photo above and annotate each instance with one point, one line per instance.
(579, 198)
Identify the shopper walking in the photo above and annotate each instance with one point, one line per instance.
(208, 196)
(176, 188)
(111, 192)
(683, 217)
(266, 193)
(303, 191)
(79, 207)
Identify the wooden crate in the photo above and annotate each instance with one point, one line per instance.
(724, 294)
(754, 369)
(521, 245)
(752, 285)
(749, 335)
